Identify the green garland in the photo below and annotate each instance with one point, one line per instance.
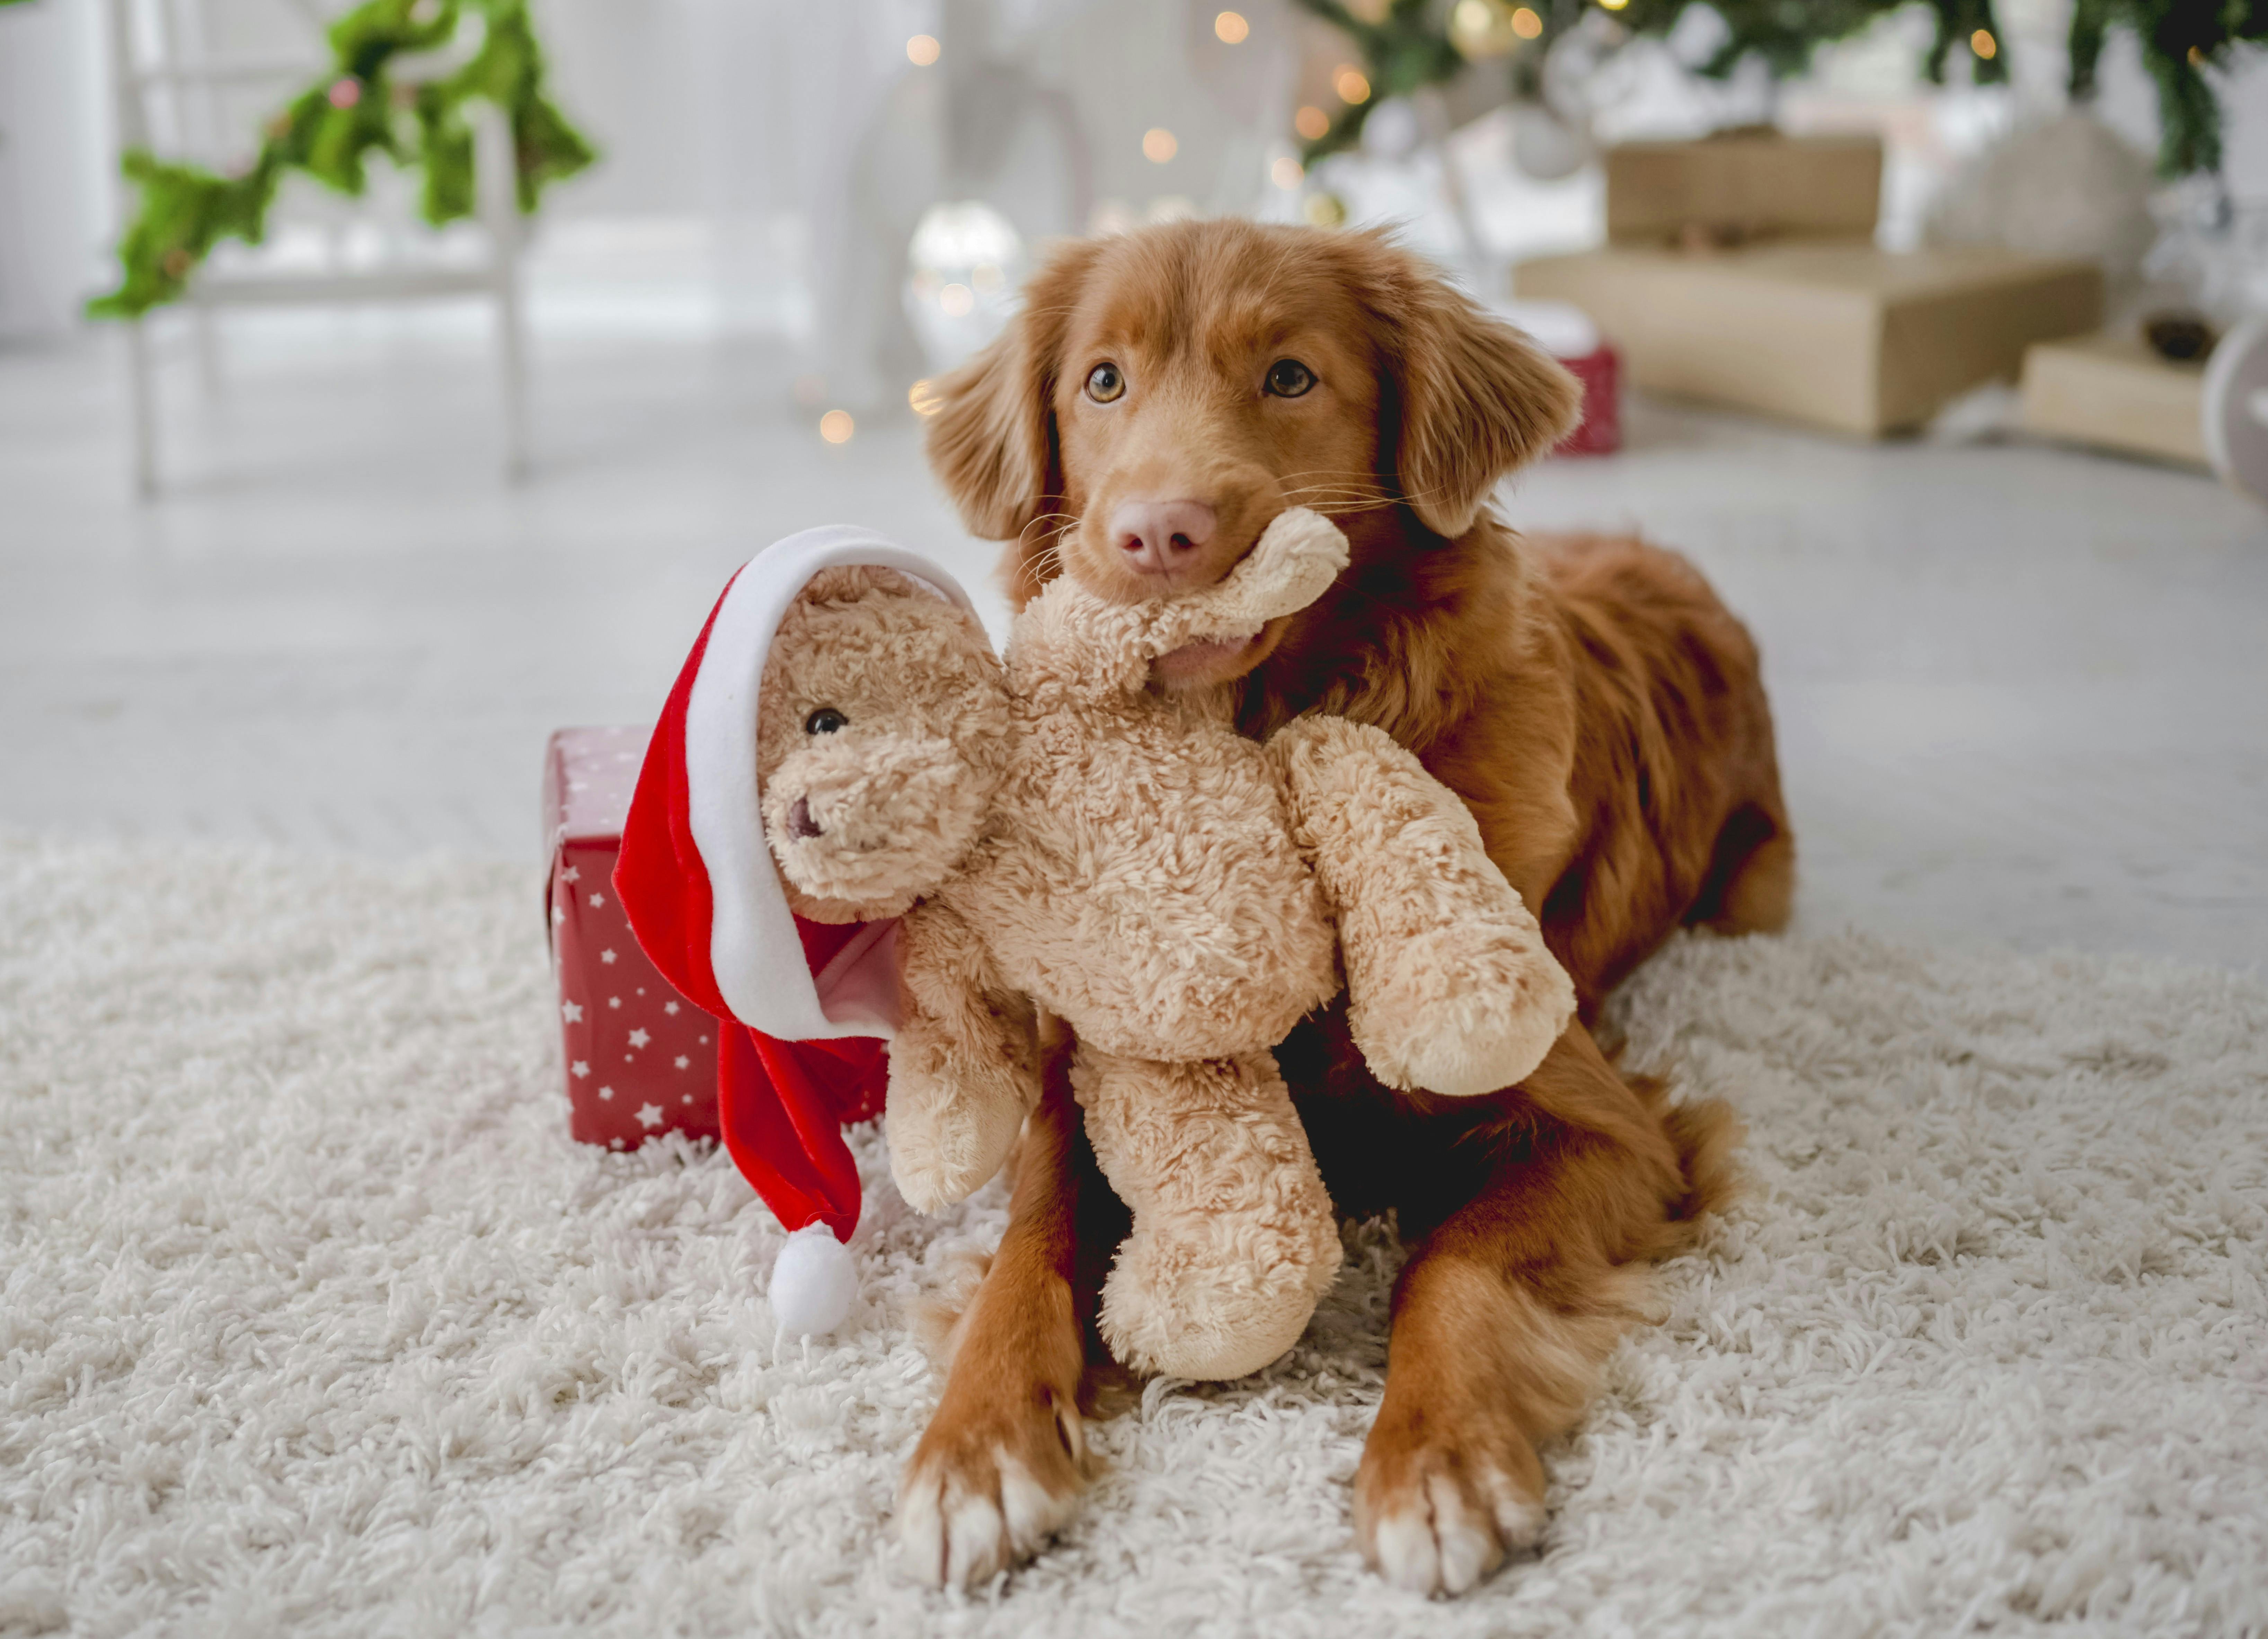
(2180, 40)
(329, 131)
(1405, 49)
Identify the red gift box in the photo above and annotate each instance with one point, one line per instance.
(641, 1060)
(1600, 432)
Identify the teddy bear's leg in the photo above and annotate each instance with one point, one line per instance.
(1235, 1238)
(964, 1065)
(1450, 988)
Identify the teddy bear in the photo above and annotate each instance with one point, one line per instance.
(1053, 831)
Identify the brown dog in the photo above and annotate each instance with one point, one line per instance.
(1162, 396)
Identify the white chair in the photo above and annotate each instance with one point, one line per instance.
(168, 87)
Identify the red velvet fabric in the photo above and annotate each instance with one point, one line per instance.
(659, 878)
(781, 1104)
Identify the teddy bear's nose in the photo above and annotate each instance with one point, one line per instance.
(799, 822)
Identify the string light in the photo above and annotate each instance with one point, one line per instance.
(1525, 24)
(1157, 144)
(1983, 44)
(1311, 123)
(1350, 84)
(956, 300)
(1285, 174)
(1481, 28)
(836, 426)
(1614, 5)
(1230, 28)
(921, 51)
(923, 398)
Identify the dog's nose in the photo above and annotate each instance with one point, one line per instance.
(1160, 535)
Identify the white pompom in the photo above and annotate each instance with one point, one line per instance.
(812, 1283)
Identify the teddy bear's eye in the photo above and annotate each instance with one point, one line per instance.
(826, 720)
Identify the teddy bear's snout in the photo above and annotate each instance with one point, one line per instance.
(883, 816)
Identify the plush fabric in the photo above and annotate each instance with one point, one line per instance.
(1175, 891)
(312, 1319)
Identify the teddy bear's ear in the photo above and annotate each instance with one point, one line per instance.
(993, 440)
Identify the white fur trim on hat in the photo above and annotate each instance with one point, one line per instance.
(753, 949)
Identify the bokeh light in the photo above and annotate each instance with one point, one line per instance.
(836, 426)
(1157, 144)
(922, 50)
(1230, 28)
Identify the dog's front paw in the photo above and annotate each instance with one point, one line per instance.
(990, 1485)
(1435, 1512)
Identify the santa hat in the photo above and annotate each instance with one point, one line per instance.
(813, 1001)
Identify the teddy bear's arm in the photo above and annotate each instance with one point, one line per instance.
(964, 1064)
(1450, 988)
(1069, 639)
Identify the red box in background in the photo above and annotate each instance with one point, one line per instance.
(1600, 432)
(641, 1060)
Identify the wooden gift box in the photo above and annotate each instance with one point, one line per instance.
(2113, 392)
(1742, 186)
(1841, 335)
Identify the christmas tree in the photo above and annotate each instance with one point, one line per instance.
(1410, 44)
(330, 130)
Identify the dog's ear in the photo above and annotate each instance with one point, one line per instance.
(1472, 398)
(993, 440)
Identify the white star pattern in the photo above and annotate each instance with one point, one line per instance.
(573, 873)
(607, 957)
(688, 1099)
(607, 1093)
(704, 1041)
(613, 1144)
(558, 913)
(682, 1062)
(670, 1007)
(614, 1001)
(579, 1070)
(573, 1010)
(597, 899)
(649, 1115)
(638, 1037)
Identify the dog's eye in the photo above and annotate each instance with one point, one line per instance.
(1288, 378)
(1104, 383)
(826, 720)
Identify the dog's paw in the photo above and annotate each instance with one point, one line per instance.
(1435, 1517)
(984, 1492)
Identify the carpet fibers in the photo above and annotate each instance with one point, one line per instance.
(312, 1319)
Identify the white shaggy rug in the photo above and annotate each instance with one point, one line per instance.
(313, 1319)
